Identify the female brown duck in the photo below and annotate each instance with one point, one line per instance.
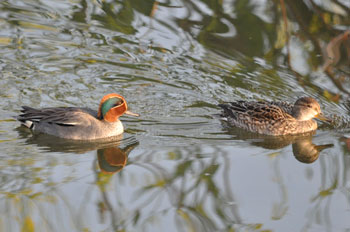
(274, 118)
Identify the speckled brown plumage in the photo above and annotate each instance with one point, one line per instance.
(273, 118)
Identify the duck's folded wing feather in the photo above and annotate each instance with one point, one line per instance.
(255, 110)
(64, 116)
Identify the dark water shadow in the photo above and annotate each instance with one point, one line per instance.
(112, 153)
(304, 149)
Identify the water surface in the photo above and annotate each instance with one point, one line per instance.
(178, 167)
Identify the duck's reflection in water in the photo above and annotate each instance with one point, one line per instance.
(307, 152)
(303, 149)
(113, 159)
(112, 153)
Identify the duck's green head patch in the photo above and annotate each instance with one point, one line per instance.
(112, 106)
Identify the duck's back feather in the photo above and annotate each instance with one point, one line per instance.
(64, 116)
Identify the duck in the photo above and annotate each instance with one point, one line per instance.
(274, 118)
(76, 123)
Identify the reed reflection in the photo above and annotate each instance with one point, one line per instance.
(39, 183)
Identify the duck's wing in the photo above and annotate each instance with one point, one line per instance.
(260, 111)
(63, 116)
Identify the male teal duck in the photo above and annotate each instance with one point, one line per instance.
(78, 123)
(274, 118)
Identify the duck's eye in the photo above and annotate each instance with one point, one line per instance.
(308, 105)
